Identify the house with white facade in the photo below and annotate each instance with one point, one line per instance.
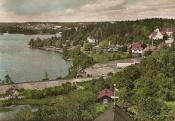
(135, 48)
(159, 33)
(91, 39)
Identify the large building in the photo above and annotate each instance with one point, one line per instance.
(159, 33)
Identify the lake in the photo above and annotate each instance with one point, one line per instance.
(24, 64)
(10, 115)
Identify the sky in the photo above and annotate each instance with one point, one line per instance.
(84, 10)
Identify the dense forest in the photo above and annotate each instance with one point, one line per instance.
(119, 32)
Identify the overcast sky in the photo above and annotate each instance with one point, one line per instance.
(84, 10)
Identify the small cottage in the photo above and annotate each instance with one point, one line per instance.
(136, 48)
(104, 96)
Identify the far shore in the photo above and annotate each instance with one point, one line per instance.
(50, 49)
(31, 34)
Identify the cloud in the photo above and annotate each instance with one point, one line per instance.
(99, 10)
(103, 5)
(41, 6)
(2, 2)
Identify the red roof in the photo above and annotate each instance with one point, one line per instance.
(136, 46)
(166, 29)
(163, 32)
(153, 34)
(105, 92)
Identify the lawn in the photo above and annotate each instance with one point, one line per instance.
(171, 105)
(105, 57)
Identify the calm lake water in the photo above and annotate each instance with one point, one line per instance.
(10, 116)
(24, 64)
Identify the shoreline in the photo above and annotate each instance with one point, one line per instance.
(49, 49)
(30, 34)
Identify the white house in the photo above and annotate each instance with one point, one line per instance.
(91, 39)
(159, 33)
(135, 48)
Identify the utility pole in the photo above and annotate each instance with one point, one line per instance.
(101, 35)
(115, 97)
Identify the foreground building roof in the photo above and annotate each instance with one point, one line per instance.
(114, 113)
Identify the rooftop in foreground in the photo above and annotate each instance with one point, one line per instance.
(114, 113)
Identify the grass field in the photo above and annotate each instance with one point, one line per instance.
(105, 57)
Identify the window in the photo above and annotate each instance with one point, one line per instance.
(105, 100)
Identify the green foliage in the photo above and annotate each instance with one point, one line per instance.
(94, 51)
(147, 53)
(110, 74)
(71, 108)
(68, 44)
(79, 59)
(8, 79)
(87, 46)
(165, 37)
(150, 109)
(105, 57)
(72, 74)
(89, 75)
(52, 91)
(142, 88)
(7, 93)
(26, 115)
(3, 109)
(59, 44)
(94, 85)
(46, 77)
(59, 77)
(103, 44)
(100, 108)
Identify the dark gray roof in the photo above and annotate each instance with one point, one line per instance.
(114, 113)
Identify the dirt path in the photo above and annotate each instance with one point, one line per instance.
(40, 85)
